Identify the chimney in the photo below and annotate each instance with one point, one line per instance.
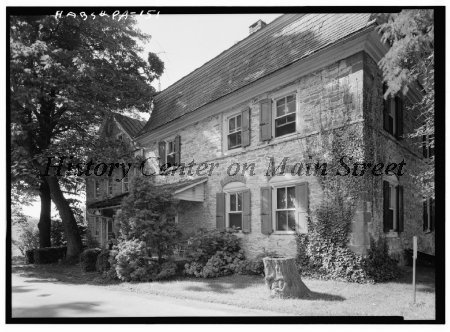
(258, 25)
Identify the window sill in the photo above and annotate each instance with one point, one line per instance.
(284, 232)
(392, 234)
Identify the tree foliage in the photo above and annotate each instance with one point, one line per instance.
(410, 60)
(146, 215)
(66, 75)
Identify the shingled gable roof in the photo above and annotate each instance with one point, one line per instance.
(130, 125)
(286, 40)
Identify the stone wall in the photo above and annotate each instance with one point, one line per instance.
(328, 98)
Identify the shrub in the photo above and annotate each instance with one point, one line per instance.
(29, 256)
(167, 271)
(378, 264)
(133, 262)
(88, 259)
(111, 274)
(102, 264)
(213, 253)
(255, 266)
(49, 255)
(28, 238)
(145, 215)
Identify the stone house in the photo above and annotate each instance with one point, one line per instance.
(104, 194)
(275, 95)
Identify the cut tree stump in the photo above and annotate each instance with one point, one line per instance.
(283, 279)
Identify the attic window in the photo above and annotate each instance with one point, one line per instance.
(120, 137)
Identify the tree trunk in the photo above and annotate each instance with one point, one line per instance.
(45, 220)
(70, 225)
(283, 279)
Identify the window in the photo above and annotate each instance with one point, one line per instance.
(285, 209)
(428, 146)
(392, 206)
(393, 114)
(234, 210)
(234, 132)
(428, 215)
(110, 187)
(125, 184)
(96, 188)
(173, 219)
(285, 116)
(110, 229)
(120, 137)
(170, 152)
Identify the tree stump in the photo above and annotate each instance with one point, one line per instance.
(283, 279)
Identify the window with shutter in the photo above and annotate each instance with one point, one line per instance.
(285, 115)
(392, 206)
(237, 206)
(220, 210)
(393, 114)
(169, 152)
(266, 210)
(428, 215)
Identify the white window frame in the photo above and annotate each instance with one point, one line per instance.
(393, 204)
(275, 208)
(230, 189)
(169, 142)
(125, 183)
(228, 133)
(274, 112)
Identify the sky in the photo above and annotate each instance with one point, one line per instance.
(184, 43)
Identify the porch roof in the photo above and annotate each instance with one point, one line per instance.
(188, 190)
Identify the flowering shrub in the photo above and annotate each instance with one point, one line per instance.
(133, 262)
(213, 253)
(255, 266)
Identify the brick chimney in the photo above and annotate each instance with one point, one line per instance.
(258, 25)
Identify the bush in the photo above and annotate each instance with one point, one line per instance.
(29, 256)
(102, 264)
(28, 239)
(49, 255)
(255, 266)
(133, 262)
(213, 253)
(167, 271)
(111, 274)
(378, 264)
(88, 259)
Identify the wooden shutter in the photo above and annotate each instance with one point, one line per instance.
(246, 212)
(302, 204)
(265, 120)
(245, 134)
(177, 150)
(266, 210)
(400, 212)
(385, 109)
(432, 214)
(220, 211)
(386, 217)
(162, 153)
(399, 115)
(425, 215)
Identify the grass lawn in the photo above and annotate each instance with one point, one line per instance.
(329, 298)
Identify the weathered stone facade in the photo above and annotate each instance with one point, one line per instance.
(345, 93)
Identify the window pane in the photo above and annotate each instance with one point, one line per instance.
(291, 104)
(281, 221)
(291, 220)
(291, 197)
(284, 130)
(234, 140)
(171, 159)
(393, 198)
(238, 122)
(231, 125)
(235, 220)
(233, 202)
(281, 198)
(290, 118)
(239, 202)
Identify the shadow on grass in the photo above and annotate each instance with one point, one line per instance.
(56, 310)
(425, 278)
(21, 289)
(324, 297)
